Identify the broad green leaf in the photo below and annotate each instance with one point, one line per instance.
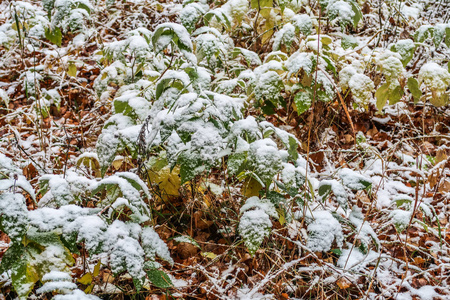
(395, 95)
(348, 41)
(54, 35)
(358, 15)
(324, 189)
(159, 279)
(413, 86)
(303, 101)
(190, 166)
(439, 99)
(382, 96)
(236, 162)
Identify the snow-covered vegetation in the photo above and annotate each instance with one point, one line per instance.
(241, 149)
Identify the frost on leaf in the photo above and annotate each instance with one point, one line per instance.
(13, 216)
(284, 37)
(262, 204)
(400, 218)
(341, 11)
(437, 79)
(300, 61)
(265, 159)
(55, 190)
(254, 226)
(406, 50)
(190, 15)
(268, 87)
(327, 186)
(126, 254)
(323, 230)
(302, 23)
(354, 180)
(361, 87)
(153, 245)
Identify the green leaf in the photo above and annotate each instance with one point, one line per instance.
(303, 101)
(292, 148)
(324, 189)
(258, 4)
(447, 36)
(84, 6)
(382, 96)
(348, 41)
(159, 279)
(11, 257)
(413, 86)
(190, 166)
(395, 95)
(358, 15)
(167, 30)
(54, 36)
(236, 162)
(72, 69)
(165, 83)
(439, 99)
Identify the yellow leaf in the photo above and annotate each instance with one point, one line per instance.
(168, 182)
(251, 187)
(89, 289)
(209, 255)
(97, 268)
(281, 217)
(86, 279)
(72, 69)
(117, 163)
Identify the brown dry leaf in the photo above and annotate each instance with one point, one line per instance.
(30, 171)
(433, 179)
(362, 196)
(444, 187)
(441, 155)
(343, 283)
(186, 250)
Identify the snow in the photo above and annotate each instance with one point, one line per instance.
(249, 126)
(354, 259)
(338, 190)
(400, 218)
(284, 37)
(361, 87)
(263, 204)
(323, 230)
(434, 76)
(341, 11)
(190, 14)
(76, 295)
(353, 179)
(300, 61)
(303, 23)
(264, 159)
(179, 30)
(153, 245)
(56, 286)
(13, 215)
(254, 226)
